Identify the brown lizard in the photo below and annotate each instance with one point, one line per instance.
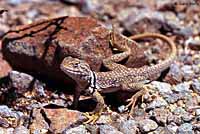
(120, 78)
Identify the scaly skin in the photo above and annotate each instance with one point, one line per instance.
(122, 45)
(120, 78)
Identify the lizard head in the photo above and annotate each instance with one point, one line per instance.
(77, 69)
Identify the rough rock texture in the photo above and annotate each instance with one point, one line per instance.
(35, 47)
(44, 44)
(4, 66)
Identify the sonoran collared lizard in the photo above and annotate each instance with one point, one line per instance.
(119, 78)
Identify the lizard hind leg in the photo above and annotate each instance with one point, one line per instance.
(121, 43)
(142, 90)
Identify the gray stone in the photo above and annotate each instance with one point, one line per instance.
(21, 130)
(185, 128)
(197, 111)
(196, 85)
(76, 130)
(89, 6)
(195, 67)
(185, 31)
(182, 87)
(17, 2)
(187, 117)
(6, 130)
(175, 74)
(122, 108)
(19, 80)
(133, 17)
(23, 82)
(158, 102)
(193, 44)
(188, 72)
(179, 111)
(107, 129)
(161, 130)
(104, 119)
(32, 13)
(161, 115)
(7, 112)
(172, 98)
(162, 87)
(174, 119)
(172, 128)
(128, 127)
(147, 125)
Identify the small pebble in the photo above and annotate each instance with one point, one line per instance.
(147, 125)
(173, 128)
(107, 129)
(21, 130)
(185, 128)
(196, 85)
(182, 87)
(128, 127)
(187, 117)
(158, 102)
(104, 119)
(188, 72)
(162, 87)
(122, 108)
(172, 98)
(197, 111)
(76, 130)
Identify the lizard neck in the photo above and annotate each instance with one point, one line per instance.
(92, 80)
(92, 83)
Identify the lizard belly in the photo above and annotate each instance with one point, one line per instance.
(109, 89)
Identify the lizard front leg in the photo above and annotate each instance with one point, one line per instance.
(76, 97)
(121, 43)
(98, 110)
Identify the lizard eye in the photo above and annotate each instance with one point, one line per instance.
(76, 64)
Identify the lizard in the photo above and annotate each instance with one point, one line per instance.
(119, 77)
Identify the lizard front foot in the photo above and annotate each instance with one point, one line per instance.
(92, 118)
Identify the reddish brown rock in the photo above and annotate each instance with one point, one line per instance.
(35, 48)
(61, 118)
(4, 66)
(38, 123)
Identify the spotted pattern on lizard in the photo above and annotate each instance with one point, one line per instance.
(119, 78)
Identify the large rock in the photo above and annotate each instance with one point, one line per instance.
(4, 66)
(35, 48)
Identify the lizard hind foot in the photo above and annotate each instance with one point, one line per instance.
(135, 97)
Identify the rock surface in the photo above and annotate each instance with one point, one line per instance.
(44, 44)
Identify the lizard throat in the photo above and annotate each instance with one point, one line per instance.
(92, 80)
(92, 86)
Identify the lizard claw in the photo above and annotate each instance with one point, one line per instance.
(134, 98)
(92, 118)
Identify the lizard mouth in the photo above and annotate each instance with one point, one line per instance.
(70, 71)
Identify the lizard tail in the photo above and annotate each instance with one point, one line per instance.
(167, 62)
